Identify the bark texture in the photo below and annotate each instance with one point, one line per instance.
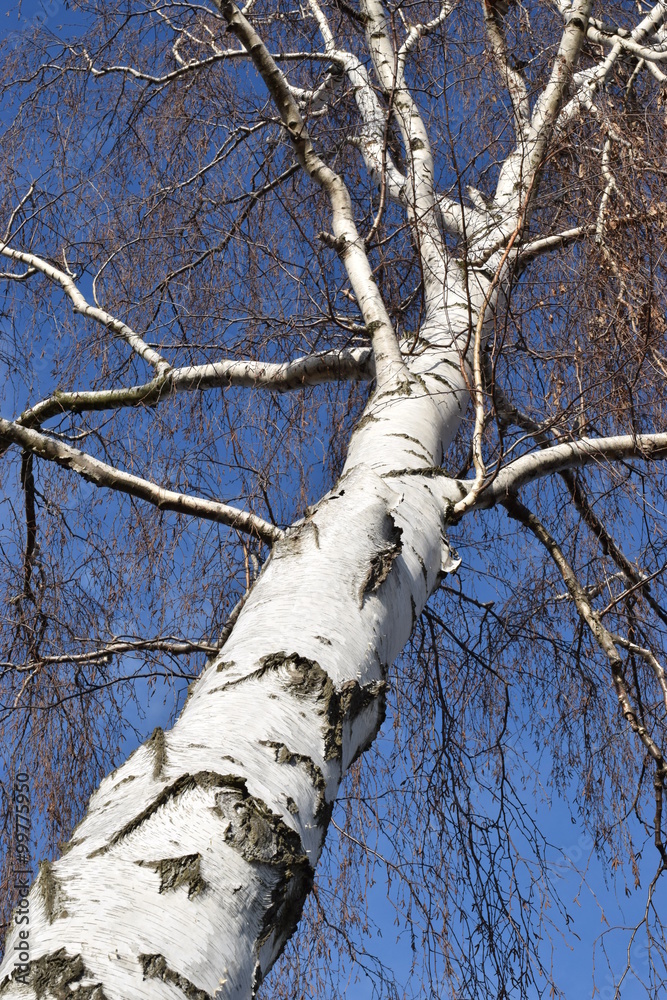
(189, 872)
(190, 869)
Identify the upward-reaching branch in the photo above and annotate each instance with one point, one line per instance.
(81, 305)
(388, 360)
(313, 369)
(518, 174)
(389, 68)
(513, 79)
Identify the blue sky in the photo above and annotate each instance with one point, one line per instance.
(597, 905)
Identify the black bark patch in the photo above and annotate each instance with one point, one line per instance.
(263, 838)
(286, 756)
(258, 834)
(405, 386)
(407, 437)
(224, 665)
(271, 662)
(157, 745)
(355, 699)
(429, 472)
(368, 418)
(383, 560)
(57, 975)
(307, 680)
(124, 781)
(437, 377)
(66, 848)
(51, 890)
(155, 967)
(175, 872)
(421, 562)
(186, 782)
(297, 534)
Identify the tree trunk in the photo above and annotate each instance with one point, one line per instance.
(189, 872)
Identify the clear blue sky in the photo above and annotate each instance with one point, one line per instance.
(596, 905)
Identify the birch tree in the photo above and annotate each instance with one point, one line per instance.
(332, 332)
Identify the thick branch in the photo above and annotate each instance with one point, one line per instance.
(521, 168)
(389, 69)
(311, 370)
(348, 241)
(102, 474)
(547, 107)
(81, 305)
(572, 455)
(513, 79)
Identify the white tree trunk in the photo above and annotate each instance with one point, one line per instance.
(189, 872)
(190, 869)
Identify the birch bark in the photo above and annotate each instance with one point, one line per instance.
(190, 870)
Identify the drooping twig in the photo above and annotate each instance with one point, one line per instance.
(607, 643)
